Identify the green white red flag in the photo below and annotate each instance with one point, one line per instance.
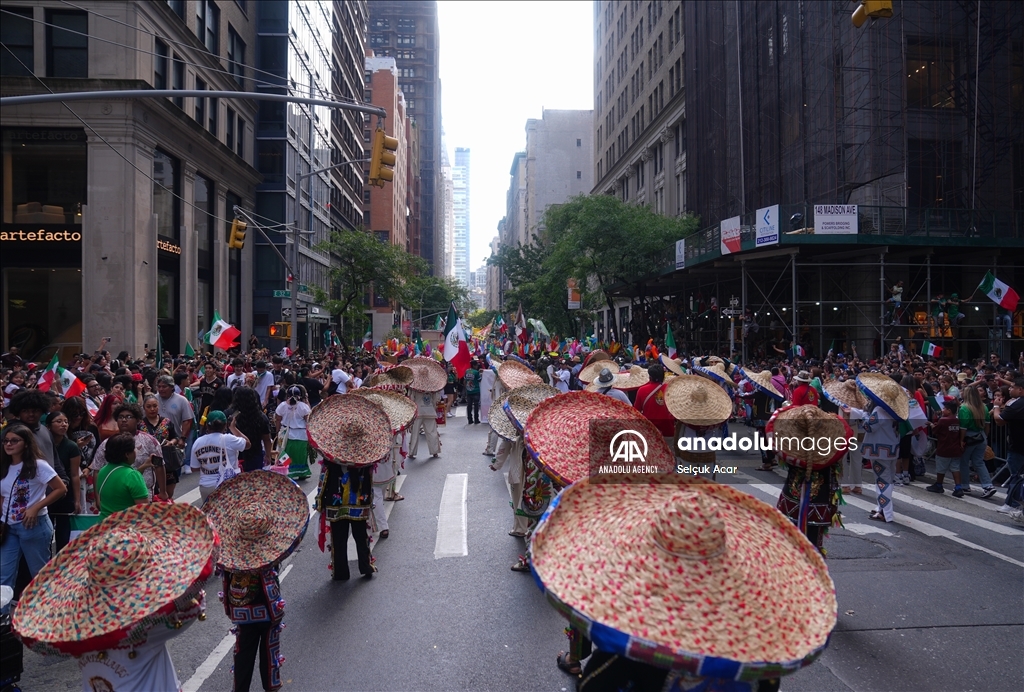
(456, 349)
(999, 292)
(222, 335)
(931, 350)
(670, 342)
(49, 375)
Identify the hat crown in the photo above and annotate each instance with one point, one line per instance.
(258, 525)
(690, 527)
(352, 429)
(699, 394)
(122, 555)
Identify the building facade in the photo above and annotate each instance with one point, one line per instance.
(493, 286)
(115, 218)
(446, 234)
(559, 161)
(460, 213)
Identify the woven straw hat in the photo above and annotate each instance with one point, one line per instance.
(589, 373)
(672, 365)
(692, 400)
(560, 436)
(260, 517)
(517, 359)
(428, 375)
(514, 374)
(885, 392)
(809, 425)
(117, 580)
(350, 430)
(685, 574)
(399, 377)
(716, 372)
(595, 356)
(500, 422)
(634, 378)
(762, 381)
(401, 409)
(520, 402)
(844, 393)
(802, 376)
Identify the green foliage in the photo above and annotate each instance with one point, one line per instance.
(432, 295)
(481, 318)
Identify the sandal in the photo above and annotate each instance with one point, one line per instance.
(516, 534)
(384, 534)
(857, 490)
(875, 516)
(394, 498)
(571, 668)
(521, 566)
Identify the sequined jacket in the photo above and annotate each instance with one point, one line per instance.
(345, 493)
(252, 597)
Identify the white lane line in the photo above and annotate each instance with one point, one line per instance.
(971, 500)
(952, 514)
(864, 529)
(189, 497)
(451, 518)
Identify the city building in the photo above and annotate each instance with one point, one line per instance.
(407, 30)
(446, 233)
(493, 286)
(460, 212)
(116, 212)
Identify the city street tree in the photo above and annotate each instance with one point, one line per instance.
(430, 296)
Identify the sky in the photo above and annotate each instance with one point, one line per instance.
(501, 64)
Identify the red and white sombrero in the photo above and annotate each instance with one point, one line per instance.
(401, 409)
(350, 430)
(428, 375)
(514, 374)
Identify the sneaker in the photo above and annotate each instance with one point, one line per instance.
(898, 479)
(966, 489)
(1018, 516)
(959, 492)
(935, 488)
(1006, 509)
(988, 492)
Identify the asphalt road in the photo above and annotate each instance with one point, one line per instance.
(934, 601)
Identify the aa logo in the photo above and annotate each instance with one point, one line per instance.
(628, 447)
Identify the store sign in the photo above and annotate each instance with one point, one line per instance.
(168, 247)
(730, 235)
(835, 219)
(575, 300)
(768, 226)
(681, 254)
(41, 235)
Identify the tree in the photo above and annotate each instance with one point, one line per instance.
(481, 318)
(429, 296)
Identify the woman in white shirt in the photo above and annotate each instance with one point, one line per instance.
(28, 484)
(290, 419)
(215, 454)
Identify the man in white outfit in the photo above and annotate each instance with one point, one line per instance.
(426, 420)
(491, 389)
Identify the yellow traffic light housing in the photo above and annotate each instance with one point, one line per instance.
(281, 330)
(382, 158)
(236, 239)
(875, 9)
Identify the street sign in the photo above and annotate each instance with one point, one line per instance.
(731, 313)
(287, 312)
(282, 294)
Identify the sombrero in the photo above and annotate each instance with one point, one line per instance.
(693, 401)
(595, 356)
(844, 393)
(514, 374)
(131, 572)
(428, 375)
(521, 401)
(762, 382)
(672, 365)
(399, 376)
(260, 517)
(566, 437)
(809, 425)
(500, 422)
(517, 359)
(401, 409)
(634, 378)
(685, 574)
(590, 372)
(716, 372)
(350, 430)
(884, 391)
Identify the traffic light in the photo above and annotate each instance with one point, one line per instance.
(236, 239)
(281, 330)
(381, 156)
(876, 9)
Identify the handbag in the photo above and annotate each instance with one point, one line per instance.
(227, 471)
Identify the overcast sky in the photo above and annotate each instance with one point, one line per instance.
(501, 64)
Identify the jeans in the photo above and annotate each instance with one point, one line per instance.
(1015, 460)
(33, 544)
(473, 408)
(974, 455)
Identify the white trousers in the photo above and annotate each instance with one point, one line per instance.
(380, 517)
(429, 426)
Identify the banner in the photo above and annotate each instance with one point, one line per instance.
(730, 235)
(680, 254)
(835, 219)
(575, 300)
(768, 226)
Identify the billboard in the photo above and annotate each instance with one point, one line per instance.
(575, 300)
(768, 226)
(835, 219)
(730, 235)
(680, 254)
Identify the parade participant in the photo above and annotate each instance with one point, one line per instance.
(701, 409)
(846, 394)
(804, 393)
(975, 419)
(215, 454)
(352, 434)
(810, 496)
(948, 448)
(428, 381)
(397, 378)
(472, 385)
(254, 424)
(686, 542)
(170, 549)
(605, 384)
(260, 517)
(450, 386)
(888, 405)
(762, 404)
(401, 411)
(290, 419)
(672, 365)
(491, 389)
(650, 401)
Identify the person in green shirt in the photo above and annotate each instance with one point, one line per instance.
(118, 485)
(974, 422)
(472, 382)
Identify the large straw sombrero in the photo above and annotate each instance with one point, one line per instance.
(571, 435)
(260, 517)
(499, 422)
(695, 401)
(595, 356)
(589, 373)
(350, 430)
(672, 365)
(884, 391)
(134, 570)
(762, 381)
(517, 359)
(798, 433)
(844, 393)
(521, 401)
(514, 374)
(401, 409)
(428, 375)
(634, 378)
(398, 377)
(687, 575)
(717, 372)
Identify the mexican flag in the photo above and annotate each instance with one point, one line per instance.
(222, 335)
(931, 350)
(670, 342)
(456, 350)
(368, 340)
(49, 375)
(799, 351)
(999, 292)
(69, 384)
(81, 522)
(499, 322)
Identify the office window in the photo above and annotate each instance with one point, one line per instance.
(208, 24)
(178, 80)
(160, 61)
(178, 7)
(166, 194)
(200, 103)
(579, 142)
(212, 120)
(236, 55)
(67, 54)
(579, 175)
(407, 25)
(931, 75)
(16, 59)
(407, 40)
(383, 24)
(229, 128)
(407, 72)
(202, 218)
(240, 137)
(407, 55)
(378, 39)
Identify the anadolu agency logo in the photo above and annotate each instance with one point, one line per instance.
(628, 447)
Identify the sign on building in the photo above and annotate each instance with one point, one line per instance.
(835, 219)
(730, 235)
(575, 300)
(680, 254)
(767, 227)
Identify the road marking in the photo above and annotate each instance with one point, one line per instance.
(189, 497)
(864, 529)
(968, 499)
(953, 514)
(451, 518)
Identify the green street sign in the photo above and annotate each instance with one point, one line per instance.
(283, 294)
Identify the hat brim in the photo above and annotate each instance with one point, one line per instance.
(712, 373)
(499, 421)
(711, 406)
(349, 430)
(400, 409)
(672, 365)
(762, 384)
(397, 376)
(809, 422)
(871, 387)
(428, 375)
(514, 374)
(837, 393)
(521, 402)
